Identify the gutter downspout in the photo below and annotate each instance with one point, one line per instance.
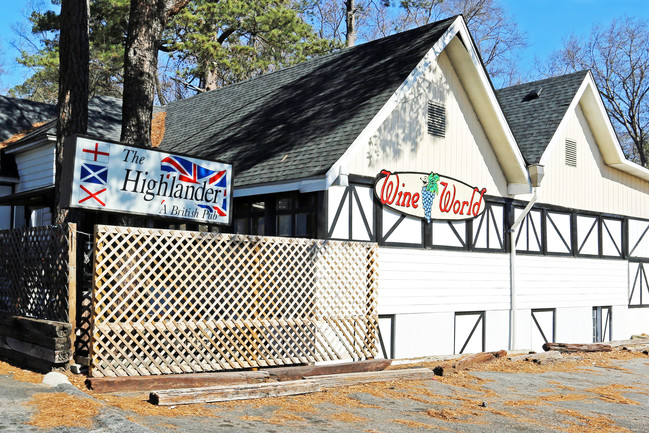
(512, 270)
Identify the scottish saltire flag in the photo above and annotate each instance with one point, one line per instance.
(96, 153)
(93, 173)
(191, 172)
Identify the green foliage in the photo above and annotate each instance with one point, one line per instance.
(219, 43)
(208, 44)
(41, 51)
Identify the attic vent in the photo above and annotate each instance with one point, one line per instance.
(571, 153)
(436, 119)
(534, 94)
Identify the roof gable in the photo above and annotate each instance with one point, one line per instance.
(534, 121)
(297, 122)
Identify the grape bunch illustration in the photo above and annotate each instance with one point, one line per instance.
(428, 193)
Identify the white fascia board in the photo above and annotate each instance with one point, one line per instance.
(519, 188)
(309, 185)
(471, 49)
(24, 147)
(397, 97)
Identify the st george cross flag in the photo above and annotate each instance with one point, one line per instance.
(96, 152)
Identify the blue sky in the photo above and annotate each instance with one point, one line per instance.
(545, 23)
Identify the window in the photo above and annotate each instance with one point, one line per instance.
(289, 215)
(602, 324)
(436, 119)
(250, 217)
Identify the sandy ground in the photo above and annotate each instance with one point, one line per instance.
(597, 392)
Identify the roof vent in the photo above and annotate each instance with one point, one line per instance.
(534, 94)
(436, 119)
(571, 153)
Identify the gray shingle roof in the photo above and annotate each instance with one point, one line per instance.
(535, 121)
(17, 115)
(104, 120)
(296, 122)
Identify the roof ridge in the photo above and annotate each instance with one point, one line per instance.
(545, 80)
(322, 57)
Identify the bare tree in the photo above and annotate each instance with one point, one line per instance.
(495, 33)
(350, 20)
(618, 57)
(147, 20)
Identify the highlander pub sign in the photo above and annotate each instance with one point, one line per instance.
(113, 177)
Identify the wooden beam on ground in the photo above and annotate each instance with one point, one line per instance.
(628, 343)
(36, 351)
(30, 336)
(29, 362)
(214, 394)
(540, 358)
(569, 348)
(334, 380)
(469, 361)
(174, 381)
(298, 372)
(46, 328)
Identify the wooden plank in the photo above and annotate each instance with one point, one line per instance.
(29, 362)
(540, 358)
(468, 362)
(298, 372)
(568, 348)
(347, 379)
(628, 343)
(174, 381)
(47, 328)
(55, 343)
(214, 394)
(72, 279)
(36, 351)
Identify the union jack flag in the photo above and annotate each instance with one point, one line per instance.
(191, 172)
(220, 210)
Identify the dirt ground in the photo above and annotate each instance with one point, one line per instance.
(603, 392)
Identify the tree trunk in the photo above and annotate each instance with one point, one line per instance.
(73, 87)
(350, 19)
(147, 20)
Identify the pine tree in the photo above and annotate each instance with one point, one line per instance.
(219, 43)
(40, 51)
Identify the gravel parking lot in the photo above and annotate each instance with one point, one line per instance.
(604, 392)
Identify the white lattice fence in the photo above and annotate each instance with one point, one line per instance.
(169, 301)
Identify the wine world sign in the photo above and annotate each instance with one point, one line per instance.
(430, 196)
(100, 175)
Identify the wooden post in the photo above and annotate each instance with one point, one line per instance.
(72, 281)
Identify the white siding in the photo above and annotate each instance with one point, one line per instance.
(35, 168)
(425, 289)
(402, 143)
(426, 281)
(549, 282)
(591, 185)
